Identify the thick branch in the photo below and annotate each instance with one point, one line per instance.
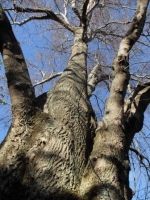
(49, 15)
(84, 11)
(19, 83)
(109, 153)
(135, 29)
(95, 77)
(74, 8)
(92, 4)
(114, 111)
(136, 108)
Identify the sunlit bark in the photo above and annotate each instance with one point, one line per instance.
(45, 153)
(107, 173)
(52, 150)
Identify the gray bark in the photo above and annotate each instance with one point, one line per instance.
(46, 151)
(106, 176)
(49, 151)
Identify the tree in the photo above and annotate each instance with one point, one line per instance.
(54, 148)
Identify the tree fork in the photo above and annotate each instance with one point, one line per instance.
(106, 176)
(107, 173)
(44, 154)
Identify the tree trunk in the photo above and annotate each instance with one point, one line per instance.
(45, 152)
(107, 172)
(49, 151)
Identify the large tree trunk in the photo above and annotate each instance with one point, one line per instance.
(45, 152)
(107, 173)
(49, 151)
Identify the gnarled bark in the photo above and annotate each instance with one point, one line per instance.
(49, 152)
(45, 152)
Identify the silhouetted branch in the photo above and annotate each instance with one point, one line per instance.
(49, 14)
(141, 157)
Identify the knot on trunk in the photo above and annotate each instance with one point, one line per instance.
(121, 60)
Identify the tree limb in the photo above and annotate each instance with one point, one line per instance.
(19, 83)
(84, 11)
(92, 4)
(49, 15)
(95, 77)
(74, 8)
(31, 18)
(114, 111)
(48, 79)
(136, 108)
(141, 158)
(135, 29)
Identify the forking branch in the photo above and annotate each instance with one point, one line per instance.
(48, 14)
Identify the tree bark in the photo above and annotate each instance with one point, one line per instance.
(106, 176)
(49, 151)
(46, 151)
(107, 173)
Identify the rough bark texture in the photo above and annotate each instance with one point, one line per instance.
(106, 176)
(45, 153)
(49, 152)
(68, 141)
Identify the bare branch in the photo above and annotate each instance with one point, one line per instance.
(49, 15)
(131, 37)
(146, 76)
(141, 97)
(95, 77)
(31, 18)
(74, 8)
(92, 4)
(135, 110)
(65, 18)
(84, 11)
(94, 34)
(48, 79)
(121, 69)
(112, 22)
(141, 158)
(135, 30)
(65, 7)
(19, 83)
(64, 15)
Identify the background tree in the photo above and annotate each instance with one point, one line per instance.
(49, 151)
